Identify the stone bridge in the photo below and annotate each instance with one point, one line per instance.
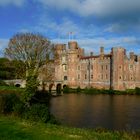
(47, 85)
(16, 82)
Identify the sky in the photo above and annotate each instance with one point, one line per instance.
(93, 23)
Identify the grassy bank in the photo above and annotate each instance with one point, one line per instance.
(16, 129)
(10, 89)
(91, 90)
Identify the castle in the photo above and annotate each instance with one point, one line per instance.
(104, 71)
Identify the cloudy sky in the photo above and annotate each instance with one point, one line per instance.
(94, 23)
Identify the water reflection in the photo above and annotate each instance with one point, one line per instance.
(90, 111)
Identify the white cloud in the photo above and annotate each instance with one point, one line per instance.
(12, 2)
(95, 7)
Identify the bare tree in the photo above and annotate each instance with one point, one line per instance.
(33, 49)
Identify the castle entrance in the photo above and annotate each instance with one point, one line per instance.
(58, 89)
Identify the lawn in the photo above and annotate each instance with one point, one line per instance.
(10, 89)
(12, 128)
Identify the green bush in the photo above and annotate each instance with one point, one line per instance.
(41, 97)
(2, 83)
(78, 89)
(137, 91)
(91, 91)
(38, 113)
(7, 103)
(66, 89)
(19, 109)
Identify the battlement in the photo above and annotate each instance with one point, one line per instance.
(60, 47)
(72, 45)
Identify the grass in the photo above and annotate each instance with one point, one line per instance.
(10, 89)
(12, 128)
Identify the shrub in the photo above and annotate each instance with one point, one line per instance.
(38, 112)
(41, 97)
(137, 90)
(78, 89)
(66, 89)
(19, 109)
(2, 83)
(7, 102)
(91, 91)
(31, 88)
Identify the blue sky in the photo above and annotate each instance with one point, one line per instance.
(94, 23)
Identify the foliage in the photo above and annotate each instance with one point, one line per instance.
(20, 69)
(41, 97)
(6, 69)
(137, 91)
(31, 88)
(7, 103)
(91, 91)
(11, 69)
(78, 89)
(38, 112)
(66, 89)
(35, 51)
(19, 109)
(2, 83)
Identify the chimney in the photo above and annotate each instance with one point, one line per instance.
(91, 53)
(132, 56)
(101, 50)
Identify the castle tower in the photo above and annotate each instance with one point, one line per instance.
(117, 68)
(60, 62)
(73, 58)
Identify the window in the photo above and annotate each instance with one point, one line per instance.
(85, 76)
(102, 76)
(92, 67)
(78, 67)
(106, 76)
(65, 78)
(120, 77)
(106, 67)
(92, 76)
(102, 67)
(64, 67)
(78, 76)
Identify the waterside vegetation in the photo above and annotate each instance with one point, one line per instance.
(91, 90)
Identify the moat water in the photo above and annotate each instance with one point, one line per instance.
(115, 112)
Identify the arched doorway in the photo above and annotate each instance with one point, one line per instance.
(58, 89)
(64, 86)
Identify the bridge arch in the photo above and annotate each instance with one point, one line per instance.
(17, 85)
(58, 88)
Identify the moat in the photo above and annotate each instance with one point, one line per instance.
(115, 112)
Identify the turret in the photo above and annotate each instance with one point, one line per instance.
(101, 50)
(132, 56)
(91, 53)
(117, 66)
(59, 48)
(73, 45)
